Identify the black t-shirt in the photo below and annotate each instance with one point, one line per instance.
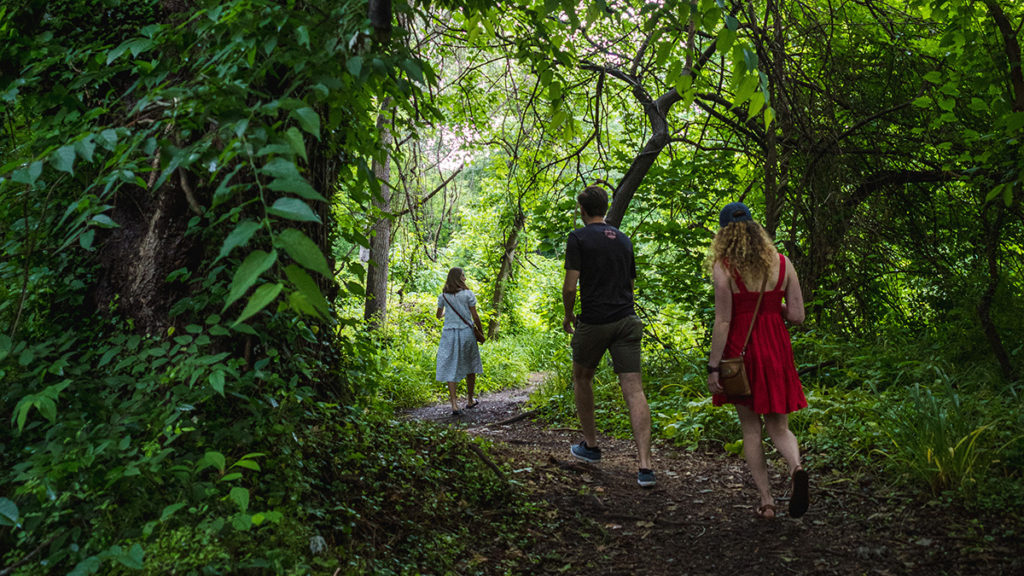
(604, 257)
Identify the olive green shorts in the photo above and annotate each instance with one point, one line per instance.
(621, 338)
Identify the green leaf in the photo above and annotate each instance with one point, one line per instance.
(281, 168)
(288, 179)
(216, 380)
(935, 77)
(139, 45)
(994, 192)
(90, 565)
(683, 83)
(413, 69)
(750, 57)
(47, 407)
(21, 411)
(241, 522)
(29, 174)
(756, 103)
(711, 18)
(301, 304)
(215, 459)
(303, 250)
(923, 102)
(8, 513)
(104, 221)
(726, 39)
(170, 510)
(557, 119)
(108, 138)
(293, 209)
(63, 159)
(308, 119)
(555, 91)
(747, 87)
(240, 496)
(978, 105)
(247, 464)
(85, 147)
(116, 53)
(296, 142)
(264, 295)
(256, 263)
(239, 237)
(134, 558)
(108, 356)
(1014, 121)
(225, 189)
(85, 240)
(5, 346)
(307, 288)
(298, 186)
(354, 65)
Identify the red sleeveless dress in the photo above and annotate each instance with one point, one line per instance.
(774, 383)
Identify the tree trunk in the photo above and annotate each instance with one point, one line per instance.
(375, 310)
(776, 170)
(505, 271)
(149, 243)
(995, 342)
(656, 113)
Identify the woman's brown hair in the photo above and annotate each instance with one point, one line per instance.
(456, 281)
(744, 247)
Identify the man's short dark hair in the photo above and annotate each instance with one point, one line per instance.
(593, 200)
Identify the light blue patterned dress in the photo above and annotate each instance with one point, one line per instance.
(458, 353)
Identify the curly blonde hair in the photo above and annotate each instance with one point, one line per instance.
(744, 247)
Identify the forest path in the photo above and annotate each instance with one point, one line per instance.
(699, 518)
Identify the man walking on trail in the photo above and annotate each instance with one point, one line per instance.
(600, 258)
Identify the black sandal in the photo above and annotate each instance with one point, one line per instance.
(472, 404)
(800, 499)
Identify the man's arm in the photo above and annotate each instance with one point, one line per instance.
(569, 300)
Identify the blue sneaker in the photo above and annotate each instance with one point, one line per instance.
(645, 478)
(583, 452)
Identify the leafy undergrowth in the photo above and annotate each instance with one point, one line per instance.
(390, 497)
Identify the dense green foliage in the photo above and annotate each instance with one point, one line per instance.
(187, 384)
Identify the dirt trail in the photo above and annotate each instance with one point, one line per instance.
(699, 518)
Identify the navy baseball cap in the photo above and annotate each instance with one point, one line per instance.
(734, 212)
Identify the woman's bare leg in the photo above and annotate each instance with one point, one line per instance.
(750, 422)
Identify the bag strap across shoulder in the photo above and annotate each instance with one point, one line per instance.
(445, 296)
(753, 319)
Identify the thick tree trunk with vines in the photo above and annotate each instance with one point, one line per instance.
(149, 244)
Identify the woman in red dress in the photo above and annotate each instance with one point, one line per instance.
(742, 260)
